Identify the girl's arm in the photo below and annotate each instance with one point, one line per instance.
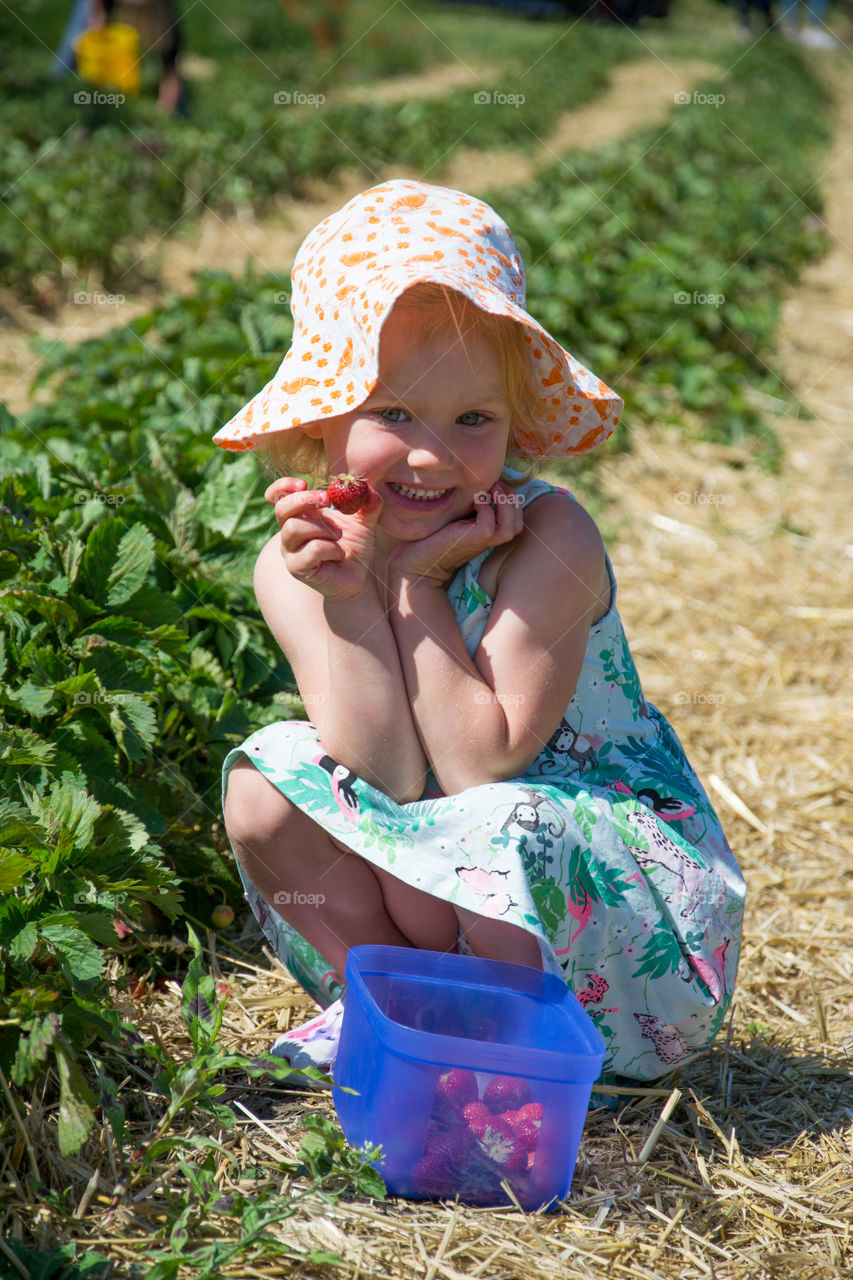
(338, 641)
(487, 718)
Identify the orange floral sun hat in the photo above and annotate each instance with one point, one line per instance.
(352, 268)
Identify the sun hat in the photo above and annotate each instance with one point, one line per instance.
(352, 268)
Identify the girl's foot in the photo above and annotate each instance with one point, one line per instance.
(315, 1043)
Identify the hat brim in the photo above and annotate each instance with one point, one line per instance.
(575, 412)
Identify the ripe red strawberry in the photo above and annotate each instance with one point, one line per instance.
(476, 1116)
(433, 1178)
(527, 1132)
(453, 1145)
(458, 1087)
(348, 493)
(505, 1093)
(530, 1111)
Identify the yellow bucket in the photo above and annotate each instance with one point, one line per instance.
(109, 58)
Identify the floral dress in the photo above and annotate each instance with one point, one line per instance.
(606, 849)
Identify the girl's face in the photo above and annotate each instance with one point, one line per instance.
(433, 433)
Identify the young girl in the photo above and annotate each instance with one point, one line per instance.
(481, 770)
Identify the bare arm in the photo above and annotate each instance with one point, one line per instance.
(487, 718)
(329, 620)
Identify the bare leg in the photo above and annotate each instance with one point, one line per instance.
(330, 895)
(498, 940)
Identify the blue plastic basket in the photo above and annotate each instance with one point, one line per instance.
(413, 1016)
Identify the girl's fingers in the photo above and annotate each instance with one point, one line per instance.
(509, 518)
(282, 486)
(304, 502)
(296, 531)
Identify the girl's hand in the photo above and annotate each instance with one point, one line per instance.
(329, 552)
(497, 519)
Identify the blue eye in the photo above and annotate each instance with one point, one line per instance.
(479, 418)
(385, 415)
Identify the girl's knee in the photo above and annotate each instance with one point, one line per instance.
(253, 806)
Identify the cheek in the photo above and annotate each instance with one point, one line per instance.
(487, 456)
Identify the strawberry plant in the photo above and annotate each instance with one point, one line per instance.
(132, 657)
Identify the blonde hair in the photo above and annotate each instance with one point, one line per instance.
(438, 308)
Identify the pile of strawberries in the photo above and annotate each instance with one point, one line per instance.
(473, 1144)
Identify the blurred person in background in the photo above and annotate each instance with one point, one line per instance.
(159, 28)
(754, 16)
(813, 32)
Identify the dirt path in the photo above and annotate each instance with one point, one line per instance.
(737, 590)
(640, 93)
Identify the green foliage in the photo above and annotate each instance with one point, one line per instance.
(331, 1162)
(65, 1262)
(662, 259)
(132, 658)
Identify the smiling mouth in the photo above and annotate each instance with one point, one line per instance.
(417, 495)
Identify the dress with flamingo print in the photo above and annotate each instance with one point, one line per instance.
(606, 849)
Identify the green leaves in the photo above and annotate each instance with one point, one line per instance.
(133, 559)
(198, 999)
(330, 1160)
(76, 1102)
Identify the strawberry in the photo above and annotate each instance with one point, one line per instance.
(348, 493)
(500, 1145)
(476, 1116)
(433, 1178)
(505, 1093)
(458, 1087)
(453, 1145)
(444, 1161)
(527, 1132)
(525, 1124)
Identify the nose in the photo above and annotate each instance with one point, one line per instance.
(429, 448)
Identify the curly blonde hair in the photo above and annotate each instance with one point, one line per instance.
(438, 308)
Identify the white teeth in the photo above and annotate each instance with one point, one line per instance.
(420, 495)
